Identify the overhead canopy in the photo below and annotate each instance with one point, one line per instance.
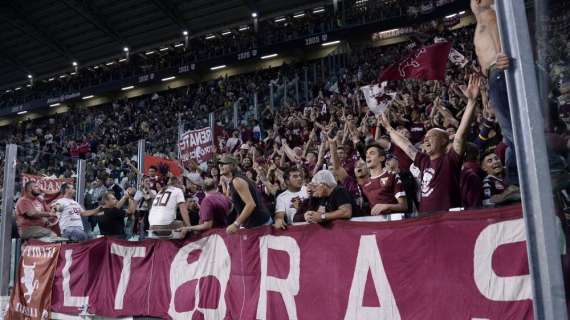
(42, 37)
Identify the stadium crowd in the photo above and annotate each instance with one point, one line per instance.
(440, 145)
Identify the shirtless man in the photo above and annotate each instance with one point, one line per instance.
(493, 63)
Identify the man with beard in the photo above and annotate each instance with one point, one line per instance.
(33, 217)
(384, 189)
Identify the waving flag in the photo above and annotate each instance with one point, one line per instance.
(377, 97)
(427, 63)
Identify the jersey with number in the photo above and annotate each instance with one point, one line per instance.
(70, 214)
(163, 209)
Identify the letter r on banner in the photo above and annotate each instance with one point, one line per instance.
(490, 285)
(289, 287)
(369, 259)
(127, 253)
(68, 299)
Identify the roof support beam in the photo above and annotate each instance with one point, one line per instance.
(166, 8)
(18, 21)
(87, 12)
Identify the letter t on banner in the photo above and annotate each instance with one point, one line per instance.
(289, 287)
(127, 253)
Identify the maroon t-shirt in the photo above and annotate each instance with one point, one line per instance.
(471, 185)
(216, 207)
(385, 189)
(404, 162)
(440, 181)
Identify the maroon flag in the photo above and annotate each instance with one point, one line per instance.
(427, 63)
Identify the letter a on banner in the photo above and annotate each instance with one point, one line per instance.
(289, 287)
(214, 261)
(492, 286)
(369, 259)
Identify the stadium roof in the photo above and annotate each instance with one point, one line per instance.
(43, 37)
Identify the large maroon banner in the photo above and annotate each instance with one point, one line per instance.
(468, 265)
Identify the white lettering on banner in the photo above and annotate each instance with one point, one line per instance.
(127, 253)
(288, 287)
(369, 259)
(68, 299)
(492, 286)
(214, 261)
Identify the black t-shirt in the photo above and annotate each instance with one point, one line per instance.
(337, 198)
(112, 222)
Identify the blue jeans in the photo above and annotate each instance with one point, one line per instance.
(500, 102)
(75, 234)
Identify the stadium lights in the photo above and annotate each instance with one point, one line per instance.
(74, 63)
(51, 79)
(30, 76)
(122, 59)
(8, 91)
(163, 49)
(212, 36)
(127, 88)
(126, 49)
(462, 12)
(23, 112)
(226, 33)
(109, 63)
(299, 15)
(185, 33)
(450, 16)
(55, 104)
(73, 73)
(218, 67)
(319, 10)
(87, 97)
(243, 28)
(269, 56)
(178, 45)
(168, 78)
(29, 85)
(17, 88)
(148, 53)
(254, 14)
(280, 19)
(332, 43)
(96, 67)
(62, 76)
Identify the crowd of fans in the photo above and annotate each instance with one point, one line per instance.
(268, 32)
(438, 146)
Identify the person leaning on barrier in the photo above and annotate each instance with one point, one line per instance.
(334, 201)
(33, 217)
(162, 215)
(246, 199)
(111, 216)
(214, 209)
(69, 212)
(289, 200)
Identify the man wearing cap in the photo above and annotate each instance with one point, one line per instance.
(384, 189)
(246, 200)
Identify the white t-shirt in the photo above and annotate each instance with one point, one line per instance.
(283, 203)
(71, 214)
(163, 209)
(142, 203)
